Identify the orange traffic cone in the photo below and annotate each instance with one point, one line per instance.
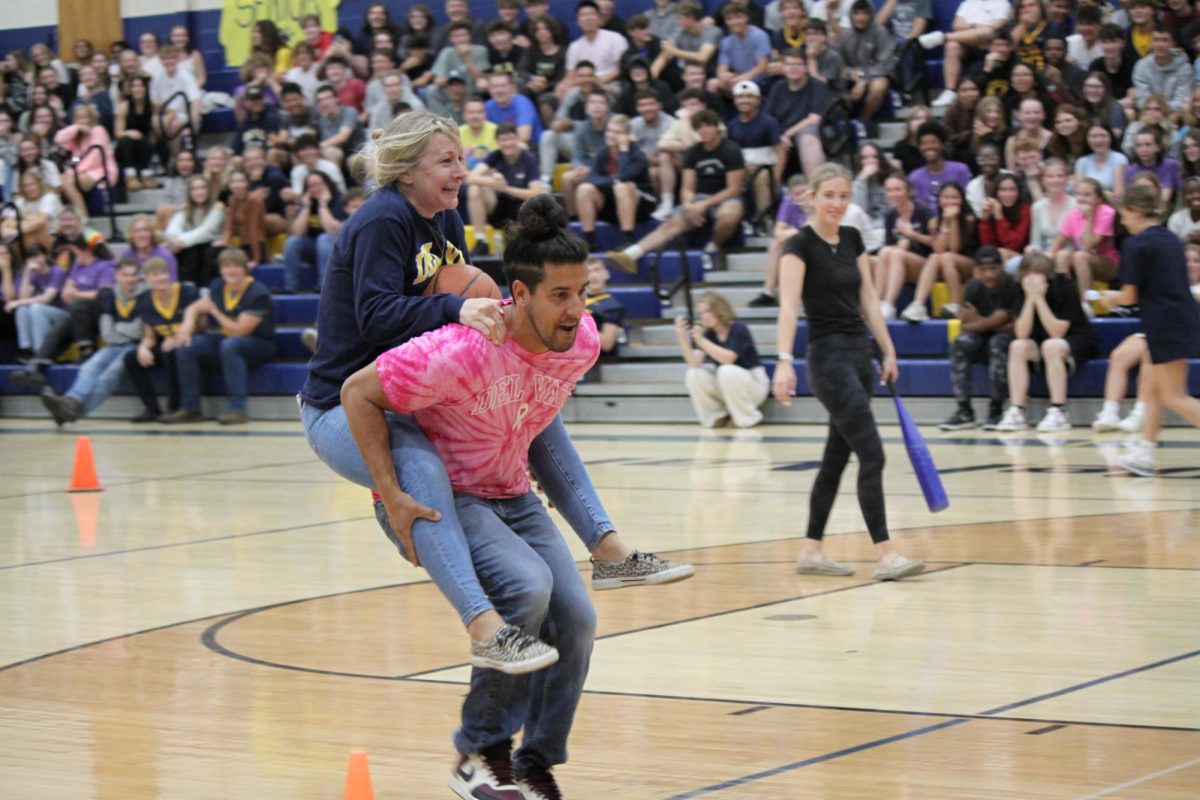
(358, 778)
(83, 477)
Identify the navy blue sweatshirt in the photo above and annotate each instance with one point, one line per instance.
(381, 261)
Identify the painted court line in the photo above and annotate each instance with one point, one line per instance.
(770, 773)
(1143, 779)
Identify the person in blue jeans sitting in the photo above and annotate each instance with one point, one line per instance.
(240, 337)
(120, 330)
(312, 230)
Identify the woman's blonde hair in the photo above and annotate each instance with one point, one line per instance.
(142, 219)
(827, 172)
(393, 151)
(719, 306)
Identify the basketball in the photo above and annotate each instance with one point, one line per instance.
(463, 280)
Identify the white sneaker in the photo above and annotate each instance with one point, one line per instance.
(1055, 421)
(950, 310)
(662, 212)
(1139, 460)
(1106, 421)
(888, 311)
(915, 312)
(1131, 424)
(932, 39)
(897, 567)
(1013, 420)
(1088, 310)
(945, 99)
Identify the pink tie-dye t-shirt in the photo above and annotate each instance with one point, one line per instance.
(481, 405)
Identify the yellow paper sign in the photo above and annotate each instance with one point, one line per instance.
(238, 18)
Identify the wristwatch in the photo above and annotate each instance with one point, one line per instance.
(785, 357)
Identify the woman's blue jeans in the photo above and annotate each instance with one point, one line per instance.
(442, 546)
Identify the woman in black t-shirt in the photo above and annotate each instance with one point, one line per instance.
(1154, 274)
(827, 265)
(725, 379)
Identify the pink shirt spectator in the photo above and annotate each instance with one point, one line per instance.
(1075, 225)
(604, 52)
(71, 139)
(482, 405)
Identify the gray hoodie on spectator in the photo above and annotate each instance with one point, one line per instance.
(1174, 81)
(870, 51)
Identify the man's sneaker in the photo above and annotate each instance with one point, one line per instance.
(1131, 424)
(896, 566)
(931, 40)
(962, 419)
(63, 409)
(539, 784)
(915, 312)
(764, 300)
(1013, 420)
(1106, 421)
(1055, 421)
(888, 311)
(638, 569)
(622, 261)
(663, 212)
(822, 565)
(31, 377)
(513, 652)
(949, 311)
(486, 775)
(1139, 460)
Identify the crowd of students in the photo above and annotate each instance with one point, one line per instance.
(705, 122)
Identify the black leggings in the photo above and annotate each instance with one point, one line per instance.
(134, 153)
(843, 379)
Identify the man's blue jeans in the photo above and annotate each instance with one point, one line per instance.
(442, 546)
(99, 376)
(235, 355)
(529, 573)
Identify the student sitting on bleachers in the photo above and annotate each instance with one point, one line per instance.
(90, 270)
(180, 111)
(135, 135)
(161, 310)
(791, 217)
(725, 379)
(39, 212)
(713, 175)
(1052, 330)
(1090, 230)
(606, 310)
(974, 23)
(955, 238)
(617, 187)
(120, 330)
(239, 316)
(313, 228)
(143, 247)
(991, 302)
(183, 168)
(500, 184)
(31, 295)
(907, 242)
(245, 220)
(193, 229)
(92, 166)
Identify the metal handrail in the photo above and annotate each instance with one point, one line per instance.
(115, 235)
(685, 278)
(20, 240)
(162, 114)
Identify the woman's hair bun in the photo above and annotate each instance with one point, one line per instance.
(541, 218)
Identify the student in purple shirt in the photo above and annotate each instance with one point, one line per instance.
(92, 269)
(1148, 156)
(32, 295)
(937, 172)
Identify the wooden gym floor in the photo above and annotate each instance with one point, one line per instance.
(226, 621)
